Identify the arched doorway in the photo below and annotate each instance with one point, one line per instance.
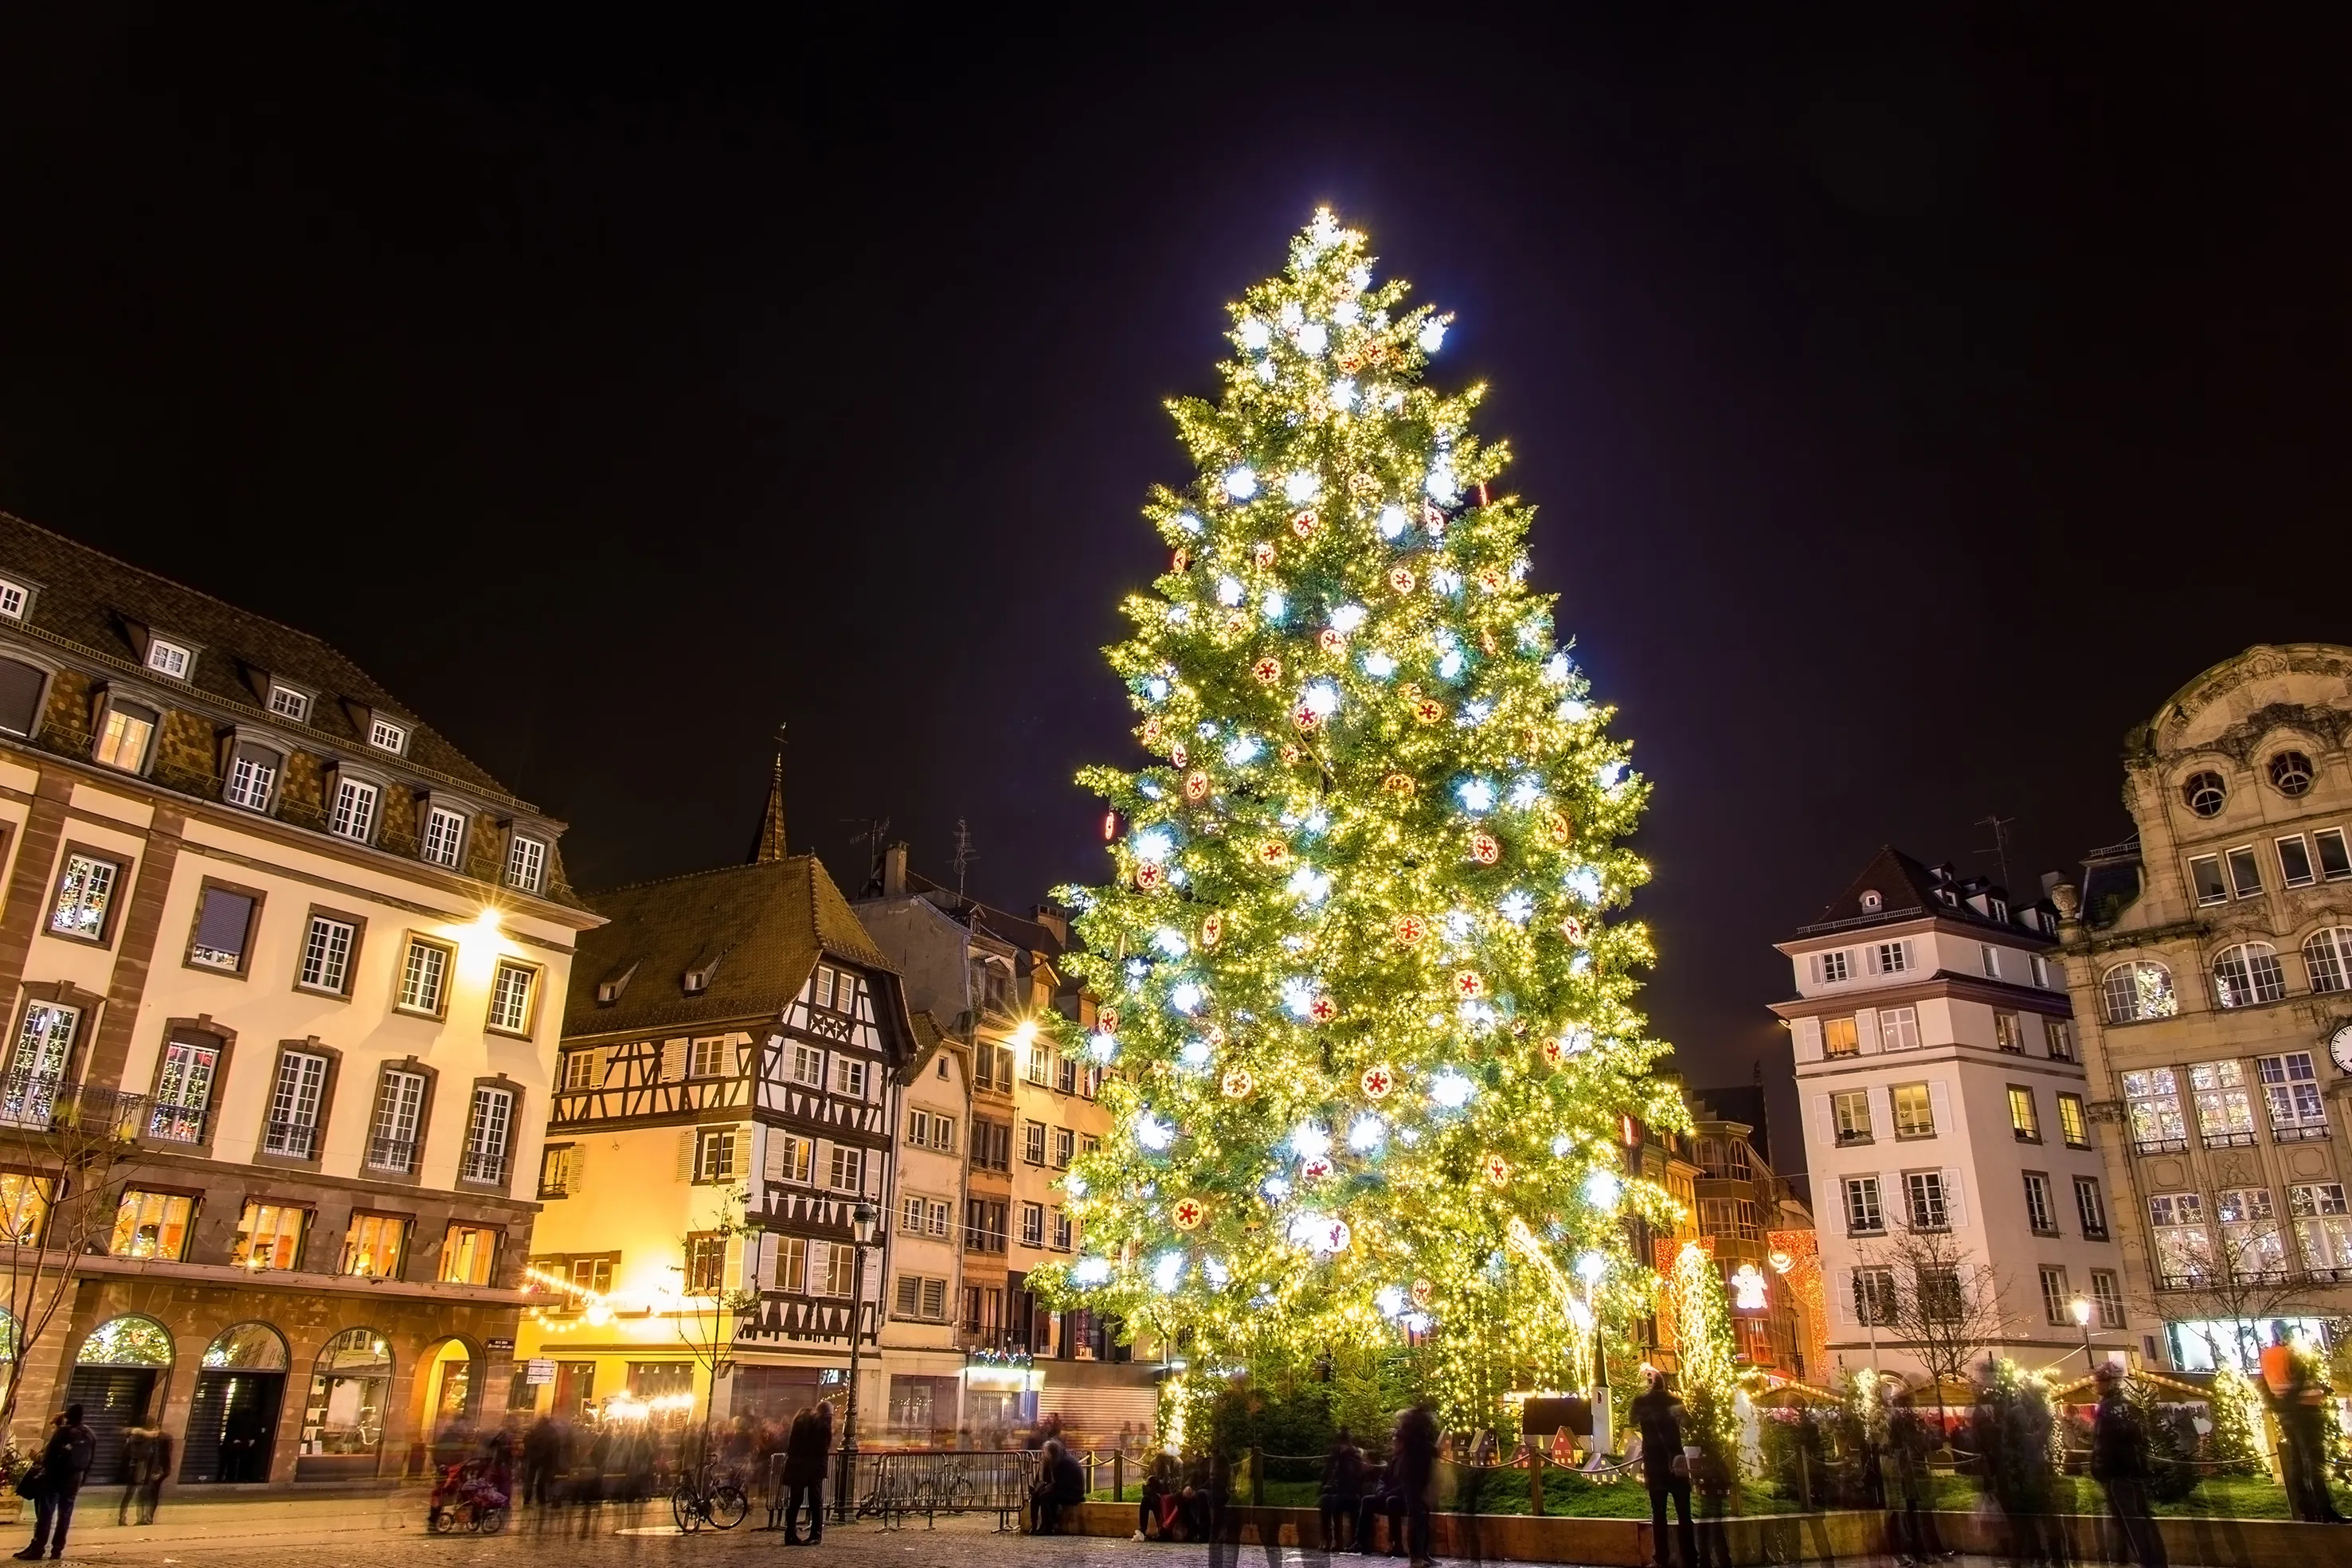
(233, 1424)
(342, 1424)
(448, 1398)
(118, 1371)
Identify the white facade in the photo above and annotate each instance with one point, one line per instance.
(921, 1362)
(1942, 1091)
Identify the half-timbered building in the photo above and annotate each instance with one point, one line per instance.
(732, 1059)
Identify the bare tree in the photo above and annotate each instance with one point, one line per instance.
(79, 1138)
(2229, 1280)
(709, 1311)
(1940, 1303)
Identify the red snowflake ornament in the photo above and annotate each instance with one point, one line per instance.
(1329, 640)
(1304, 524)
(1180, 563)
(1108, 1020)
(1490, 579)
(1555, 1051)
(1378, 1079)
(1572, 928)
(1322, 1010)
(1410, 928)
(1429, 710)
(1305, 718)
(1212, 930)
(1152, 729)
(1421, 1290)
(1558, 827)
(1398, 784)
(1187, 1213)
(1484, 849)
(1237, 1083)
(1149, 877)
(1497, 1170)
(1263, 553)
(1267, 671)
(1177, 754)
(1470, 985)
(1273, 851)
(1290, 755)
(1401, 578)
(1196, 786)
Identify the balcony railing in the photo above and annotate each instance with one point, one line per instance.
(2299, 1132)
(45, 1103)
(178, 1124)
(1848, 1139)
(294, 1140)
(2160, 1145)
(480, 1166)
(2228, 1140)
(397, 1154)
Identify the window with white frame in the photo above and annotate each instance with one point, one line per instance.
(327, 955)
(252, 778)
(806, 1066)
(386, 735)
(184, 1091)
(1033, 1143)
(714, 1154)
(2090, 1209)
(1873, 1296)
(2183, 1255)
(2041, 1213)
(1829, 968)
(841, 1270)
(355, 807)
(911, 1212)
(1928, 1206)
(2058, 1037)
(44, 1047)
(169, 658)
(1060, 1228)
(2139, 989)
(2107, 1296)
(2205, 879)
(849, 1077)
(709, 1056)
(2057, 1300)
(930, 1130)
(123, 736)
(792, 1264)
(791, 1157)
(1065, 1143)
(1838, 1036)
(2294, 862)
(2152, 1099)
(288, 703)
(2247, 974)
(2245, 871)
(848, 1170)
(2254, 1249)
(84, 896)
(399, 1107)
(2327, 957)
(12, 600)
(510, 989)
(424, 977)
(1915, 1110)
(1898, 1029)
(2323, 1229)
(2041, 972)
(1864, 1214)
(2225, 1112)
(2073, 1122)
(2335, 857)
(294, 1100)
(1033, 1225)
(941, 1216)
(1850, 1110)
(1989, 958)
(1889, 957)
(526, 863)
(443, 839)
(2009, 1033)
(489, 1128)
(2291, 1094)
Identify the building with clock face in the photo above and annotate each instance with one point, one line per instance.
(2211, 961)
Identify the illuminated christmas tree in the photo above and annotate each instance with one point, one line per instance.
(1369, 1024)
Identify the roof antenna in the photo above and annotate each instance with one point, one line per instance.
(2000, 851)
(964, 854)
(876, 830)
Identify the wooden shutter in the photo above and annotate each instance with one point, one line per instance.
(774, 1150)
(820, 1265)
(1841, 1293)
(686, 1155)
(1893, 1200)
(1824, 1123)
(1955, 1209)
(1865, 1030)
(1806, 1035)
(673, 1060)
(767, 1260)
(1939, 1105)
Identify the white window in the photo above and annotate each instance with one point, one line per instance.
(2090, 1209)
(184, 1093)
(13, 599)
(288, 703)
(252, 775)
(2294, 862)
(399, 1100)
(848, 1170)
(2323, 1229)
(791, 1157)
(807, 1067)
(486, 1134)
(911, 1213)
(1898, 1029)
(2205, 880)
(1851, 1112)
(2182, 1252)
(2137, 990)
(2040, 1212)
(2291, 1086)
(2247, 974)
(2245, 871)
(714, 1154)
(424, 977)
(1829, 968)
(2153, 1098)
(579, 1070)
(2056, 1299)
(841, 1270)
(327, 955)
(792, 1264)
(1864, 1215)
(1873, 1296)
(510, 987)
(2335, 858)
(1889, 957)
(355, 813)
(1915, 1110)
(930, 1129)
(2058, 1036)
(84, 895)
(1988, 956)
(2256, 1249)
(941, 1217)
(122, 738)
(708, 1058)
(2225, 1113)
(1929, 1211)
(1033, 1143)
(1064, 1145)
(2327, 957)
(386, 735)
(1033, 1225)
(294, 1105)
(1061, 1230)
(849, 1077)
(2009, 1033)
(444, 836)
(167, 658)
(2107, 1295)
(2041, 966)
(526, 863)
(44, 1045)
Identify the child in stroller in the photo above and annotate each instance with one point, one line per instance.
(468, 1496)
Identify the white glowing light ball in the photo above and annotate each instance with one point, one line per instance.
(1347, 618)
(1313, 339)
(1090, 1273)
(1450, 1089)
(1153, 1133)
(1242, 482)
(1432, 335)
(1255, 334)
(1302, 486)
(1603, 1189)
(1394, 522)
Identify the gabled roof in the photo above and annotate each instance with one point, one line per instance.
(761, 928)
(1907, 889)
(90, 600)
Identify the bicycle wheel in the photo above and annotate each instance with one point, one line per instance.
(490, 1520)
(685, 1511)
(728, 1505)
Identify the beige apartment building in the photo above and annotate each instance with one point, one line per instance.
(2211, 961)
(284, 972)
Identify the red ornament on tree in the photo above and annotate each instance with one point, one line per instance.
(1187, 1213)
(1428, 710)
(1499, 1170)
(1572, 928)
(1410, 928)
(1107, 1019)
(1237, 1084)
(1304, 524)
(1378, 1079)
(1149, 877)
(1558, 827)
(1329, 640)
(1213, 929)
(1421, 1291)
(1470, 984)
(1267, 671)
(1316, 1168)
(1290, 755)
(1151, 731)
(1484, 849)
(1262, 552)
(1322, 1010)
(1273, 851)
(1401, 578)
(1196, 786)
(1176, 753)
(1305, 718)
(1554, 1052)
(1491, 582)
(1181, 561)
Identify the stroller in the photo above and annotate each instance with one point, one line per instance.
(468, 1497)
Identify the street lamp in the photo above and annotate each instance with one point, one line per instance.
(861, 1228)
(2081, 1310)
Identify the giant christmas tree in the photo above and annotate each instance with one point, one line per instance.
(1368, 1021)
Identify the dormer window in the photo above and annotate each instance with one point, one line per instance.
(2000, 909)
(609, 992)
(252, 778)
(697, 980)
(1872, 901)
(386, 735)
(124, 735)
(288, 703)
(15, 599)
(353, 816)
(166, 657)
(526, 863)
(443, 838)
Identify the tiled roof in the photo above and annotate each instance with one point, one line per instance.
(1909, 890)
(89, 598)
(760, 928)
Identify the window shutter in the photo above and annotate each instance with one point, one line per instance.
(1893, 1200)
(1806, 1034)
(576, 1157)
(767, 1260)
(673, 1060)
(1824, 1123)
(1953, 1205)
(935, 1299)
(1842, 1304)
(873, 1287)
(1865, 1030)
(772, 1164)
(1939, 1105)
(1814, 961)
(820, 1265)
(908, 1296)
(734, 1279)
(686, 1155)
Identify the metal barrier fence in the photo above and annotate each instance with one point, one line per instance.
(891, 1484)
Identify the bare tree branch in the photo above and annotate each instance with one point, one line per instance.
(1941, 1303)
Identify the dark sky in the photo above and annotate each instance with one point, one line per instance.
(1912, 403)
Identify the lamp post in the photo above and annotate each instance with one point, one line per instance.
(861, 1228)
(1589, 1267)
(2081, 1310)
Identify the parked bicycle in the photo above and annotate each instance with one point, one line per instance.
(711, 1495)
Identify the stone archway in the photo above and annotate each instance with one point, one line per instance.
(444, 1400)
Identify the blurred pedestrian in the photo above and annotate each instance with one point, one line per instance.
(1415, 1448)
(1659, 1415)
(65, 1465)
(2119, 1463)
(1343, 1487)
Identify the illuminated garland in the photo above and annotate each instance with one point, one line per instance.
(1364, 1003)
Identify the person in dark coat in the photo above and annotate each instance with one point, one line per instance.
(1343, 1487)
(2119, 1464)
(1380, 1497)
(1416, 1467)
(797, 1479)
(1659, 1415)
(1161, 1514)
(65, 1465)
(1061, 1485)
(138, 1458)
(807, 1450)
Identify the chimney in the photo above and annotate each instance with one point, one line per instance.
(1053, 919)
(894, 871)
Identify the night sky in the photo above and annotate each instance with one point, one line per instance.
(1913, 404)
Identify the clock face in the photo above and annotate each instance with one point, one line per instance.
(2340, 1048)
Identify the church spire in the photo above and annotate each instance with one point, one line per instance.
(770, 844)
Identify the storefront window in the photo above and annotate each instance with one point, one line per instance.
(348, 1391)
